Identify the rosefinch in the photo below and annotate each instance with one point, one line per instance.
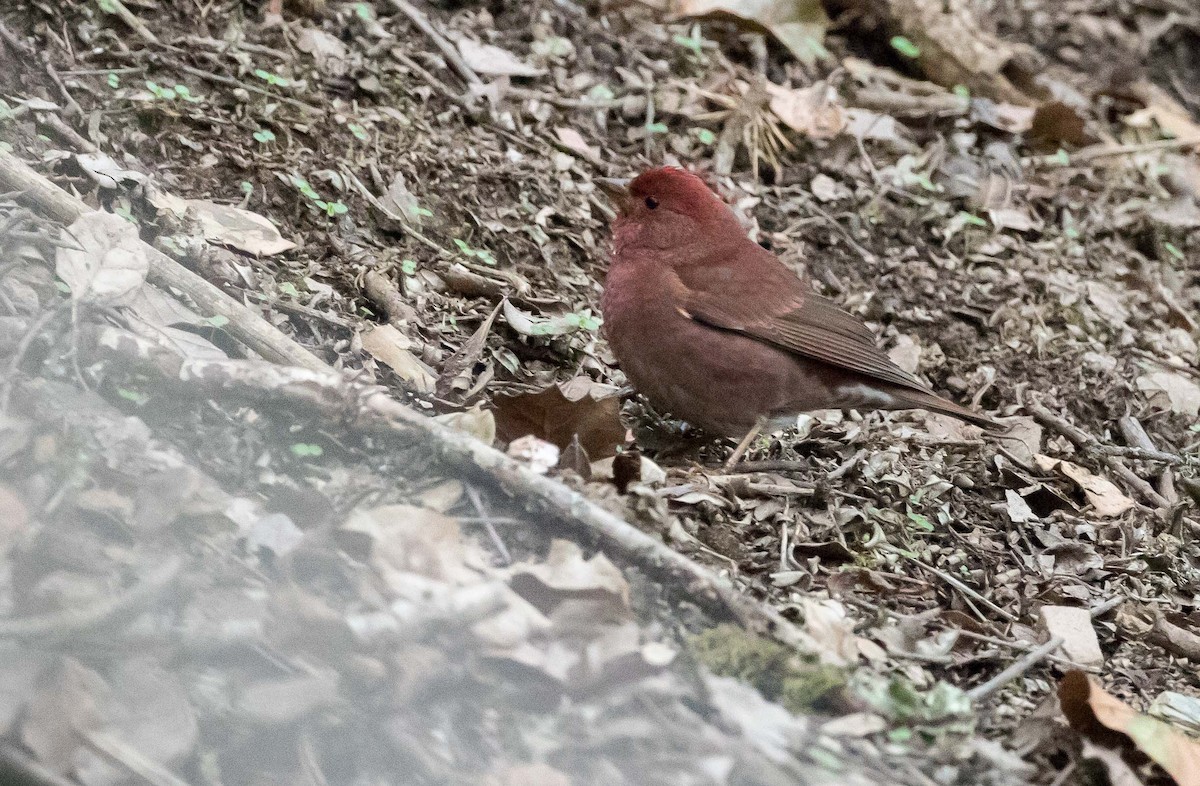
(712, 328)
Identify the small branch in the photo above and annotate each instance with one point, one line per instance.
(963, 588)
(1135, 434)
(69, 624)
(448, 49)
(1019, 667)
(135, 24)
(1087, 442)
(1089, 154)
(244, 325)
(231, 82)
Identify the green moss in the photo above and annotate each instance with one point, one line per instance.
(798, 682)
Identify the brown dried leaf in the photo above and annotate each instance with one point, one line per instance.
(566, 575)
(578, 406)
(493, 61)
(797, 24)
(237, 228)
(389, 346)
(109, 264)
(813, 111)
(1107, 721)
(1106, 499)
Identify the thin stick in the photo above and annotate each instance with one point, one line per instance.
(135, 24)
(231, 82)
(1086, 441)
(448, 49)
(1106, 151)
(963, 588)
(1018, 667)
(244, 325)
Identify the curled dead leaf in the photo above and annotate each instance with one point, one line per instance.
(577, 407)
(1103, 719)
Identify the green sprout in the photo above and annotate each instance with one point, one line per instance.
(905, 47)
(274, 80)
(264, 135)
(482, 254)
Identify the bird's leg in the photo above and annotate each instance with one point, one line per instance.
(740, 450)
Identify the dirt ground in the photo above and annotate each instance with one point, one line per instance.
(1022, 237)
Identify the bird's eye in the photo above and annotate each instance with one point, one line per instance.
(651, 202)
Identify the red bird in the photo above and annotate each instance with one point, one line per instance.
(712, 328)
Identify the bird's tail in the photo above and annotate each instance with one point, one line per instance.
(916, 399)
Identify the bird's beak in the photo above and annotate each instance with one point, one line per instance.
(617, 191)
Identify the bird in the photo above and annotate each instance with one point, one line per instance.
(714, 329)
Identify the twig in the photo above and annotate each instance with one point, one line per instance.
(370, 409)
(231, 82)
(1086, 441)
(431, 80)
(1023, 647)
(963, 588)
(1167, 363)
(448, 49)
(135, 24)
(477, 503)
(1019, 667)
(1106, 151)
(69, 624)
(244, 325)
(1135, 434)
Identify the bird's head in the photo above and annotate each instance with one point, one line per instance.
(668, 209)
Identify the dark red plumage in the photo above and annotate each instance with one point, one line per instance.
(712, 328)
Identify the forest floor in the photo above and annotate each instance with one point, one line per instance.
(1008, 193)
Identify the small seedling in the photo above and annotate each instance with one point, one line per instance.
(704, 136)
(657, 128)
(306, 450)
(409, 267)
(359, 132)
(274, 80)
(905, 47)
(135, 396)
(482, 254)
(288, 288)
(583, 320)
(217, 321)
(264, 135)
(693, 41)
(114, 80)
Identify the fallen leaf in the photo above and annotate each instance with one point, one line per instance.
(476, 421)
(1169, 390)
(540, 455)
(493, 61)
(1017, 508)
(906, 353)
(1106, 499)
(577, 407)
(110, 264)
(574, 140)
(237, 228)
(1074, 625)
(389, 346)
(399, 204)
(567, 575)
(813, 111)
(1108, 722)
(530, 325)
(826, 189)
(328, 50)
(797, 24)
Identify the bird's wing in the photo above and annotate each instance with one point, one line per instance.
(783, 312)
